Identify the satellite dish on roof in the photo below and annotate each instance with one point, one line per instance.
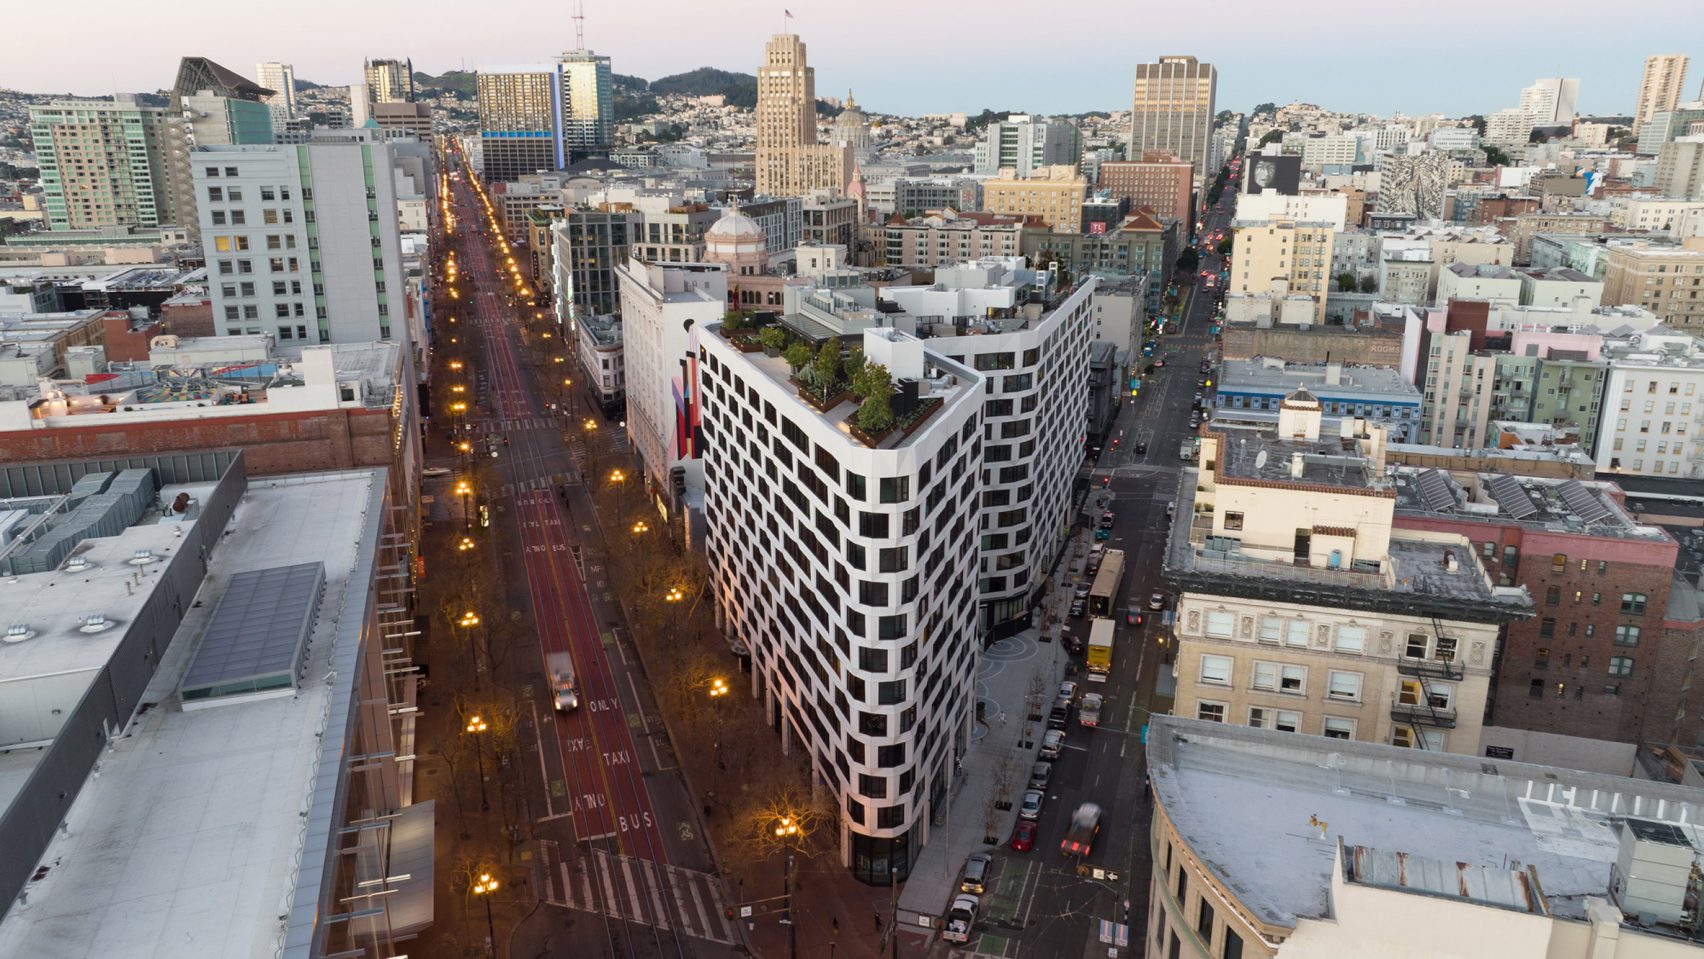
(1260, 460)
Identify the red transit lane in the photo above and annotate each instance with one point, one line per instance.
(607, 793)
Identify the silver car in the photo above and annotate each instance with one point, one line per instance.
(1031, 806)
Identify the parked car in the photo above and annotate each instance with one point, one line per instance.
(960, 918)
(1067, 692)
(1059, 717)
(976, 873)
(1078, 608)
(1094, 563)
(1052, 743)
(1141, 447)
(1023, 835)
(1081, 592)
(1030, 808)
(1040, 773)
(1157, 601)
(1195, 419)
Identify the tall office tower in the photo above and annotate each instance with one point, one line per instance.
(1659, 89)
(1173, 110)
(103, 163)
(1025, 144)
(588, 116)
(520, 114)
(790, 161)
(847, 567)
(388, 80)
(1551, 101)
(210, 106)
(280, 78)
(302, 241)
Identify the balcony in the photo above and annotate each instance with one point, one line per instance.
(1408, 714)
(1428, 668)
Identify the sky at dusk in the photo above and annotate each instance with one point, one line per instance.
(909, 57)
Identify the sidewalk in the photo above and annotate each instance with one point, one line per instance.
(1003, 733)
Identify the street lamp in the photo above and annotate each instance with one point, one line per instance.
(483, 887)
(456, 365)
(787, 833)
(475, 726)
(465, 544)
(617, 476)
(641, 527)
(674, 595)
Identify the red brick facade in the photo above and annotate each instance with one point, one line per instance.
(1595, 660)
(272, 443)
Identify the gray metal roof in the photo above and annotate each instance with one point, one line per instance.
(259, 632)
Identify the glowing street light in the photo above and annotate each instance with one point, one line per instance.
(468, 619)
(465, 544)
(641, 527)
(617, 476)
(475, 726)
(674, 595)
(718, 687)
(483, 887)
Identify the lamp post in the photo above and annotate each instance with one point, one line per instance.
(483, 887)
(468, 621)
(475, 726)
(787, 833)
(464, 489)
(717, 690)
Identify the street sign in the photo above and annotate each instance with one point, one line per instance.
(745, 912)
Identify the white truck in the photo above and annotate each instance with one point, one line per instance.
(960, 918)
(566, 695)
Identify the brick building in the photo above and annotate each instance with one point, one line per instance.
(1158, 181)
(1596, 660)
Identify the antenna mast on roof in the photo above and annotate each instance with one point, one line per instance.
(579, 24)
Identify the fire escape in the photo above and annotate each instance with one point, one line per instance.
(1425, 713)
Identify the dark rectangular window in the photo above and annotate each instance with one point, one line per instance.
(895, 559)
(890, 693)
(854, 485)
(890, 817)
(873, 525)
(872, 660)
(895, 489)
(872, 594)
(1204, 922)
(1547, 627)
(873, 787)
(1633, 604)
(890, 757)
(873, 724)
(829, 466)
(1233, 945)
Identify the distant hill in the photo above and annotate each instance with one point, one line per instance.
(637, 84)
(739, 88)
(459, 83)
(302, 84)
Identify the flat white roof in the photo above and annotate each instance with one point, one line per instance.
(1247, 800)
(187, 844)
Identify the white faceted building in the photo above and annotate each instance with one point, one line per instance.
(849, 571)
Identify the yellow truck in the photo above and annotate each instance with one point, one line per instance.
(1100, 650)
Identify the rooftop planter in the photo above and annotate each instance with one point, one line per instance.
(874, 419)
(914, 420)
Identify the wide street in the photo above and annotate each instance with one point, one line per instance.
(1044, 906)
(618, 859)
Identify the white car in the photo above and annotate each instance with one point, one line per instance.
(1052, 744)
(1067, 692)
(432, 471)
(1030, 808)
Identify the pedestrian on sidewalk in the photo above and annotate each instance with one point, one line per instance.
(878, 921)
(835, 925)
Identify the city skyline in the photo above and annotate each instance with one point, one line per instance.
(936, 79)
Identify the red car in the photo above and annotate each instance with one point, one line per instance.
(1023, 837)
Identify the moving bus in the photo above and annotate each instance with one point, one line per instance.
(1099, 659)
(1104, 592)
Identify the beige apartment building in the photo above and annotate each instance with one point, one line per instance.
(1052, 194)
(1667, 280)
(1659, 88)
(1301, 609)
(1680, 168)
(1283, 255)
(790, 161)
(948, 237)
